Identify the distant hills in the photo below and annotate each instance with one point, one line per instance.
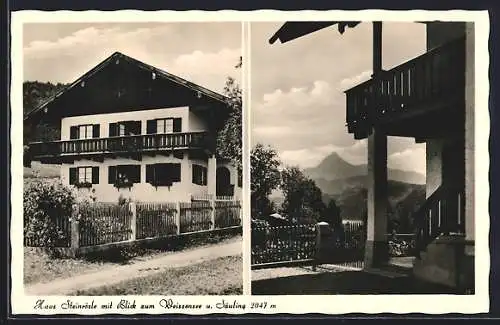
(334, 167)
(347, 185)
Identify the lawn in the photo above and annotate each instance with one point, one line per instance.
(222, 276)
(39, 267)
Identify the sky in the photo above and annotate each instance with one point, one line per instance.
(204, 53)
(298, 104)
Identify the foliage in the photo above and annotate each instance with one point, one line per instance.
(303, 199)
(36, 93)
(265, 177)
(332, 214)
(229, 139)
(47, 208)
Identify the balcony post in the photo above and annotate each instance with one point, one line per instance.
(377, 47)
(376, 250)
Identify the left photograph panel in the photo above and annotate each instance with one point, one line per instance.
(132, 143)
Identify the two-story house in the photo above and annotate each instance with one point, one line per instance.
(129, 129)
(430, 99)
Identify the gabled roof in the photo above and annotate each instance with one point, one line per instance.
(141, 65)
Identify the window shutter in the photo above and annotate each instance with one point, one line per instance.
(175, 172)
(136, 127)
(73, 132)
(112, 174)
(112, 129)
(72, 176)
(177, 127)
(151, 127)
(194, 178)
(95, 175)
(204, 176)
(150, 174)
(96, 131)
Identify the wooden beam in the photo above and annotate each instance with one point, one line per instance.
(377, 47)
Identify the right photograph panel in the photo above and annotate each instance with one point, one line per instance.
(362, 158)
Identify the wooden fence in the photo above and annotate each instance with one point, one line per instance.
(290, 243)
(99, 224)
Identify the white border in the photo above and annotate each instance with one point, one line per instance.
(333, 304)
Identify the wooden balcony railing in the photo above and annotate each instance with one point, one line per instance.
(434, 76)
(131, 144)
(442, 213)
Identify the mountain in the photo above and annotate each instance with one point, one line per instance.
(347, 185)
(333, 167)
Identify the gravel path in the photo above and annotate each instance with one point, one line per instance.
(117, 274)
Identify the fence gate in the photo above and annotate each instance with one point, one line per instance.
(281, 245)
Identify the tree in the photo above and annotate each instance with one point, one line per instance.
(229, 141)
(265, 177)
(332, 214)
(303, 198)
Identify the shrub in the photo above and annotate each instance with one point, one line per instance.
(47, 210)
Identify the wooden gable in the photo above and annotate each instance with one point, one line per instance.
(121, 83)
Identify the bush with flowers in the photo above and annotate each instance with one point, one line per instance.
(47, 211)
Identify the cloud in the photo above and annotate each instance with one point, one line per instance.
(411, 159)
(204, 65)
(203, 53)
(307, 157)
(91, 38)
(356, 80)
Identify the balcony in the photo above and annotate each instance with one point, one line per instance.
(55, 151)
(434, 81)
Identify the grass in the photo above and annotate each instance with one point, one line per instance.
(40, 267)
(222, 276)
(39, 170)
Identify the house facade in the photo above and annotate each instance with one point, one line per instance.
(130, 130)
(430, 99)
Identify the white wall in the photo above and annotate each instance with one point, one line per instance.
(433, 157)
(196, 123)
(179, 191)
(103, 120)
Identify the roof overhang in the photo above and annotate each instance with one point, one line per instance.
(115, 58)
(293, 30)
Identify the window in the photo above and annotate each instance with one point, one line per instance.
(124, 175)
(124, 128)
(163, 174)
(83, 175)
(166, 125)
(199, 175)
(84, 131)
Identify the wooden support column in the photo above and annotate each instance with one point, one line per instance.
(377, 47)
(376, 250)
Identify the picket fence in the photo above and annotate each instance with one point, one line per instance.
(97, 224)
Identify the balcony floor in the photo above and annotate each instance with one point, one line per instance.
(334, 280)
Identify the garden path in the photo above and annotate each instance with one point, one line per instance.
(116, 274)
